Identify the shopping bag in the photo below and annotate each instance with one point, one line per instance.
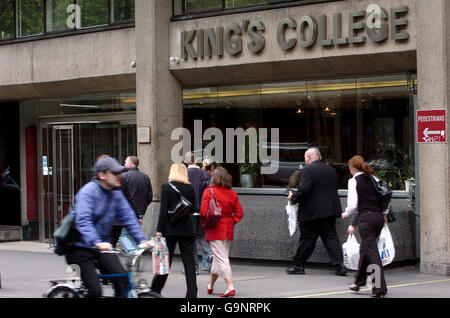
(350, 250)
(160, 257)
(291, 211)
(386, 246)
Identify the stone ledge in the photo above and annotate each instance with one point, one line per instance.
(10, 233)
(436, 269)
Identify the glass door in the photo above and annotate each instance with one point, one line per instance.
(68, 154)
(57, 172)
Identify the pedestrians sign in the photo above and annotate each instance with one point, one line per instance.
(431, 126)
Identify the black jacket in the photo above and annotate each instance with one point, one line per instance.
(169, 197)
(317, 193)
(198, 179)
(137, 189)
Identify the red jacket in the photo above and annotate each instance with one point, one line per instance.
(231, 213)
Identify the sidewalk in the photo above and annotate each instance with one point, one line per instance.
(26, 246)
(252, 279)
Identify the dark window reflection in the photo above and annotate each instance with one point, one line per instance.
(369, 116)
(9, 165)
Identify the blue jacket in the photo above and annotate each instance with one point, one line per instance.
(96, 210)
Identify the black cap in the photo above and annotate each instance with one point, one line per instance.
(108, 164)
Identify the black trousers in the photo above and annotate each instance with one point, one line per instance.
(310, 231)
(88, 260)
(370, 225)
(115, 234)
(186, 245)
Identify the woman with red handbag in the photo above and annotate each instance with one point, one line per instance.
(220, 234)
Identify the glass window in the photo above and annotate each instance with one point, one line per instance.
(93, 12)
(6, 19)
(243, 3)
(177, 7)
(122, 11)
(369, 116)
(101, 103)
(62, 15)
(29, 17)
(193, 6)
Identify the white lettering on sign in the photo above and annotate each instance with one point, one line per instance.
(423, 119)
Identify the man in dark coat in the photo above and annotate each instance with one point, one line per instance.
(199, 180)
(319, 206)
(138, 190)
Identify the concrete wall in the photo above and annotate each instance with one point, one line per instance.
(263, 233)
(158, 93)
(433, 55)
(64, 66)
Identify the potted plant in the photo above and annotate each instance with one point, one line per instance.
(248, 172)
(408, 171)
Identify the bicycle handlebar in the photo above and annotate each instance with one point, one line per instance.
(142, 247)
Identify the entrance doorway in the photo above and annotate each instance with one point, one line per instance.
(68, 153)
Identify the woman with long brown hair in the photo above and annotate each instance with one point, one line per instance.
(221, 234)
(362, 199)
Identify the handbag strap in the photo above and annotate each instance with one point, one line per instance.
(174, 187)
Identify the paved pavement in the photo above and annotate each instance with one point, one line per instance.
(26, 268)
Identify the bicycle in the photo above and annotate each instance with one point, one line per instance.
(68, 288)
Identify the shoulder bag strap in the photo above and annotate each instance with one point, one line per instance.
(174, 187)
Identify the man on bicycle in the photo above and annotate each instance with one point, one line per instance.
(97, 205)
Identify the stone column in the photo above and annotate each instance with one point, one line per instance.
(433, 56)
(158, 96)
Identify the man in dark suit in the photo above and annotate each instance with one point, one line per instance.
(319, 206)
(138, 190)
(199, 180)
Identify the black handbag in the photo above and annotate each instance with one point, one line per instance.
(384, 192)
(180, 208)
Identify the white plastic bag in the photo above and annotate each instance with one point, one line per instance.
(291, 211)
(350, 250)
(386, 246)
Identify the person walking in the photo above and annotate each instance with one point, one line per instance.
(138, 190)
(319, 206)
(181, 232)
(208, 166)
(220, 235)
(97, 205)
(364, 204)
(198, 179)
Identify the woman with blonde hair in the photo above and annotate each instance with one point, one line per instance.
(220, 235)
(181, 231)
(362, 199)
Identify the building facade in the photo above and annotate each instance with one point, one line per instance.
(156, 78)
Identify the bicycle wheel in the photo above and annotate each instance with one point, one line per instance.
(62, 292)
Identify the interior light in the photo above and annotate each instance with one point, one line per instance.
(79, 106)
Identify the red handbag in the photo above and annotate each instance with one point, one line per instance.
(214, 213)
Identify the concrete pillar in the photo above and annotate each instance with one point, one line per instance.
(158, 94)
(433, 56)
